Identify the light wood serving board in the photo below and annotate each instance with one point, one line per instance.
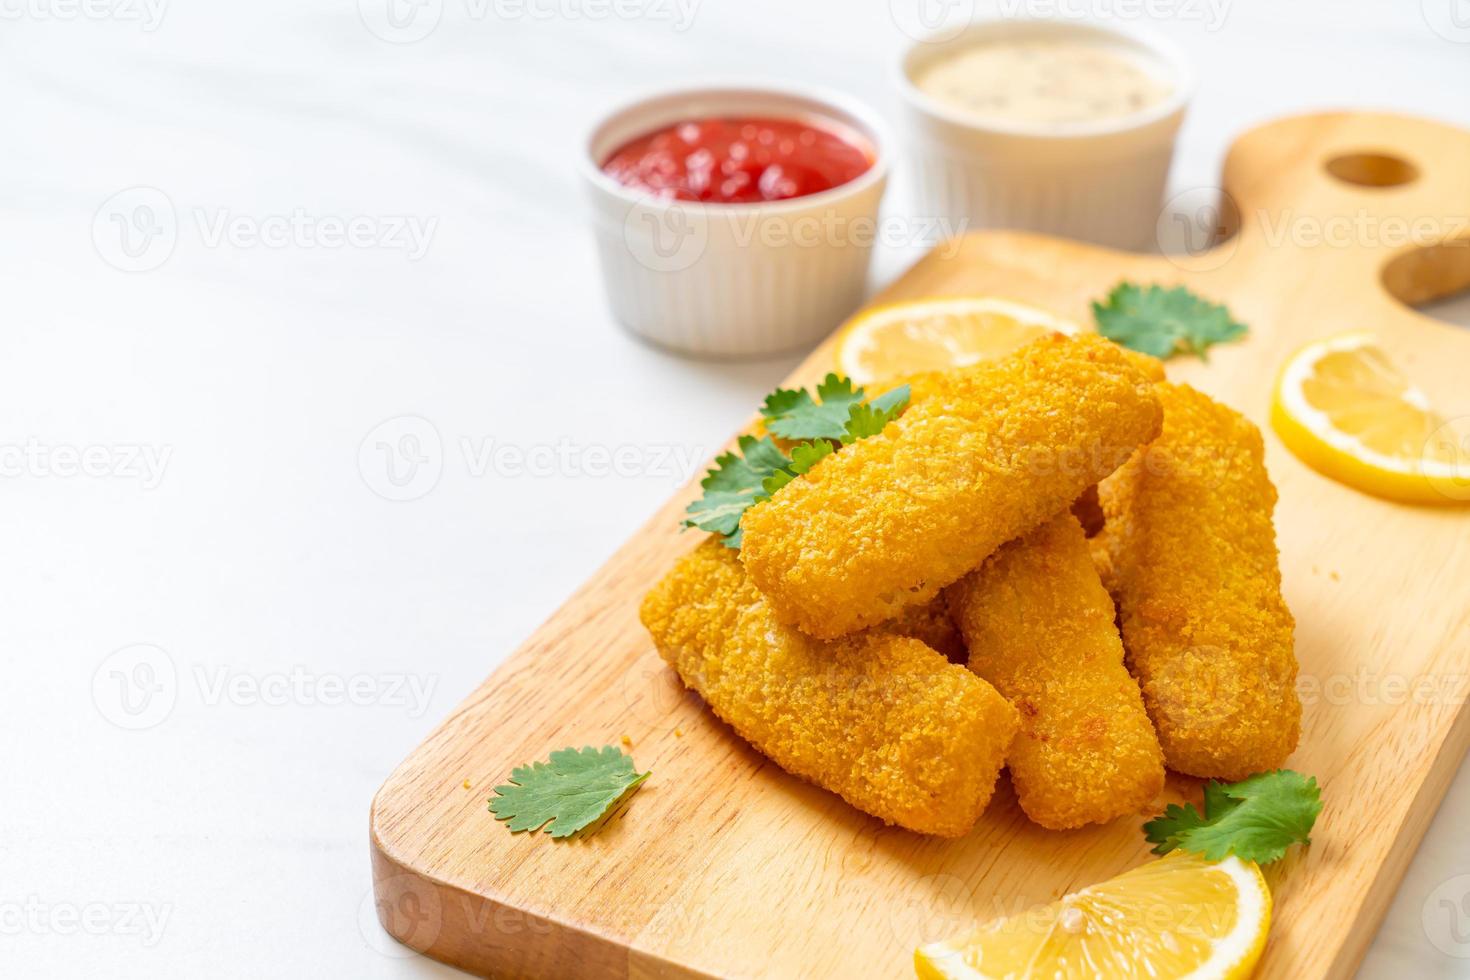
(724, 865)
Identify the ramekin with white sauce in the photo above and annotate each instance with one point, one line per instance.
(1059, 127)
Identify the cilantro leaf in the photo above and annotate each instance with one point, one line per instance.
(1163, 322)
(571, 791)
(733, 485)
(759, 468)
(868, 419)
(803, 458)
(894, 400)
(1165, 832)
(796, 415)
(1256, 819)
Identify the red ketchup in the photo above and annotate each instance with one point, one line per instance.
(740, 160)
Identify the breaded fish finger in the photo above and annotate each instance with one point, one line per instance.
(890, 520)
(1192, 563)
(883, 721)
(1039, 626)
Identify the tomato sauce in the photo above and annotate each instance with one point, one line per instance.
(740, 160)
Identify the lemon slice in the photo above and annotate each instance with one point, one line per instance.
(911, 338)
(1345, 410)
(1179, 916)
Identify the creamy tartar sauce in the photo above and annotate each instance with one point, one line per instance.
(1043, 82)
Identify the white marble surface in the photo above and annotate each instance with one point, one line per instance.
(304, 632)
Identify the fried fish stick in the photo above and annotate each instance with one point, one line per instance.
(890, 520)
(1192, 564)
(883, 721)
(1039, 626)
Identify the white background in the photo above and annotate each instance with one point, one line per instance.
(264, 548)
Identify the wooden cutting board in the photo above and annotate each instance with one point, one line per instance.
(724, 865)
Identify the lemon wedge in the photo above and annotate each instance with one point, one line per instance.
(905, 339)
(1179, 916)
(1345, 410)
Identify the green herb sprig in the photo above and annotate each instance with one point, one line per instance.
(1256, 819)
(1164, 322)
(571, 791)
(837, 416)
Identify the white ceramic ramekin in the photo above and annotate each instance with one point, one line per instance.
(735, 279)
(1101, 182)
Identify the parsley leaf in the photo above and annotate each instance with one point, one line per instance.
(796, 415)
(1256, 819)
(1163, 322)
(733, 485)
(573, 790)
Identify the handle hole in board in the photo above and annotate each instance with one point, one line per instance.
(1372, 169)
(1434, 279)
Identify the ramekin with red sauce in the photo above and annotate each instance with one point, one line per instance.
(736, 220)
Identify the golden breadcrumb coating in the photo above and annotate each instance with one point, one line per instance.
(933, 626)
(1040, 627)
(1148, 365)
(1086, 506)
(1192, 563)
(890, 520)
(883, 721)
